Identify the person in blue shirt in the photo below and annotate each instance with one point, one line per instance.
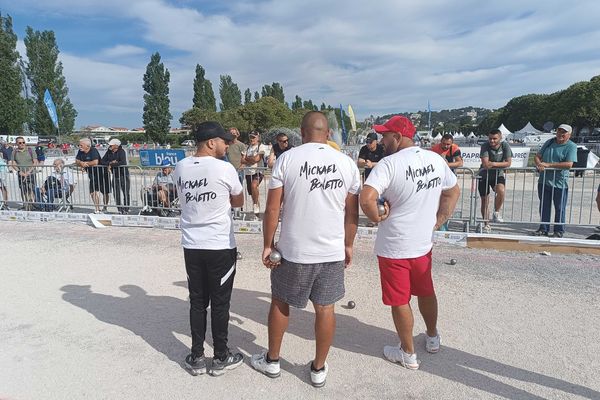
(553, 162)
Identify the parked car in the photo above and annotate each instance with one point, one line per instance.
(188, 143)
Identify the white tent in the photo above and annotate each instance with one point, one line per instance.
(504, 130)
(471, 135)
(529, 130)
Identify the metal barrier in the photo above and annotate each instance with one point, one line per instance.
(131, 189)
(523, 196)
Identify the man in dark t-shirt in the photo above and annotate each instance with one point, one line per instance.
(89, 159)
(370, 154)
(280, 146)
(495, 155)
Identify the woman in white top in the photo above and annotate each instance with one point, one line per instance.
(254, 155)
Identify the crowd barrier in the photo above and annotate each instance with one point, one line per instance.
(133, 190)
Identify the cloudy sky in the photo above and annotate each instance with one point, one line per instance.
(380, 56)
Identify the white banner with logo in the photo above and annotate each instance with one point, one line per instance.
(471, 158)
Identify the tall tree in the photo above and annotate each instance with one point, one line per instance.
(256, 96)
(297, 103)
(44, 71)
(156, 116)
(308, 104)
(204, 96)
(13, 111)
(323, 106)
(247, 96)
(277, 92)
(231, 97)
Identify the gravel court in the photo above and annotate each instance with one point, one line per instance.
(104, 314)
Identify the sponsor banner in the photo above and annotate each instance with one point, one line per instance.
(366, 233)
(153, 158)
(470, 156)
(453, 238)
(247, 226)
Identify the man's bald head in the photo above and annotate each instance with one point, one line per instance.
(315, 127)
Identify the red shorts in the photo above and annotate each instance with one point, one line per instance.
(401, 278)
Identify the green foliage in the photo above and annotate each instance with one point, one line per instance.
(156, 115)
(231, 97)
(256, 96)
(247, 96)
(44, 71)
(297, 103)
(275, 90)
(578, 105)
(13, 112)
(323, 107)
(204, 96)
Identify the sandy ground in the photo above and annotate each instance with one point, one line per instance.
(103, 314)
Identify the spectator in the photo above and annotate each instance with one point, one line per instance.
(281, 145)
(449, 151)
(89, 159)
(115, 159)
(495, 155)
(370, 154)
(23, 161)
(59, 184)
(39, 152)
(163, 187)
(3, 190)
(557, 155)
(235, 153)
(65, 148)
(6, 150)
(421, 193)
(318, 188)
(254, 155)
(208, 188)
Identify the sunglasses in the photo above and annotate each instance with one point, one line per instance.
(20, 142)
(282, 141)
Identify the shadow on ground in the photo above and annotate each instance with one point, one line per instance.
(156, 319)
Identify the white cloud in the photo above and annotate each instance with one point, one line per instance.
(122, 50)
(380, 56)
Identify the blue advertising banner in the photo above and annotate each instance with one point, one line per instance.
(51, 108)
(153, 158)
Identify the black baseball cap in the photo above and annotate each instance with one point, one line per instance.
(371, 136)
(210, 130)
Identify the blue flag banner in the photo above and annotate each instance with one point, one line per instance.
(51, 108)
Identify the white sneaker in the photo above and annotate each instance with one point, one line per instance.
(270, 369)
(397, 355)
(487, 229)
(496, 217)
(256, 209)
(432, 344)
(317, 378)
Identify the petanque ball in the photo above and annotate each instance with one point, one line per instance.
(351, 304)
(275, 256)
(453, 261)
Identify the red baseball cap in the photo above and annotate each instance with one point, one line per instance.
(398, 124)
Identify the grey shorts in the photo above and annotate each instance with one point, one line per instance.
(295, 283)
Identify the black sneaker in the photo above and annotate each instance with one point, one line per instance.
(232, 361)
(195, 364)
(539, 232)
(558, 234)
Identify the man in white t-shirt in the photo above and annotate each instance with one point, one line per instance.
(207, 188)
(420, 193)
(318, 189)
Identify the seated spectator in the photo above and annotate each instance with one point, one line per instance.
(163, 187)
(59, 184)
(3, 190)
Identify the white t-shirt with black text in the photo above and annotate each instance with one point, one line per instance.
(412, 181)
(316, 180)
(204, 185)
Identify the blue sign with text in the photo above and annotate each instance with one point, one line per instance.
(153, 158)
